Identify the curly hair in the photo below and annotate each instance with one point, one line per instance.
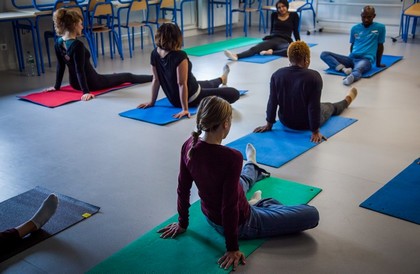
(169, 37)
(298, 51)
(212, 112)
(66, 20)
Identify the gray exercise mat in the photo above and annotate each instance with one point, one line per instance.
(22, 207)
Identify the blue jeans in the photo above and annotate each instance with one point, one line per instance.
(359, 65)
(269, 217)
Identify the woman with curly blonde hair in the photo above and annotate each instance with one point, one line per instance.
(71, 52)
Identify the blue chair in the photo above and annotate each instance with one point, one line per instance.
(210, 14)
(413, 11)
(101, 20)
(247, 10)
(299, 6)
(137, 8)
(180, 9)
(164, 7)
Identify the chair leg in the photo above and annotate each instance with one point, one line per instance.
(47, 46)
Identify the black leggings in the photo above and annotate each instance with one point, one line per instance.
(277, 44)
(8, 239)
(211, 88)
(105, 81)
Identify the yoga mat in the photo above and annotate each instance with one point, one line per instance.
(221, 46)
(262, 59)
(199, 248)
(400, 197)
(281, 144)
(388, 60)
(63, 96)
(161, 113)
(21, 208)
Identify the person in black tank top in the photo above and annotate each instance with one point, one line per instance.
(172, 70)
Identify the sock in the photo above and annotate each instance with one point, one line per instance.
(45, 211)
(251, 153)
(255, 197)
(230, 55)
(347, 71)
(352, 94)
(339, 67)
(226, 71)
(348, 80)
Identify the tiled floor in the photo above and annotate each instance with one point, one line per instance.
(129, 168)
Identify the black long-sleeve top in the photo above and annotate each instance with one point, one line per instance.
(285, 28)
(76, 57)
(296, 92)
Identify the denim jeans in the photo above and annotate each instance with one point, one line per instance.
(359, 65)
(269, 217)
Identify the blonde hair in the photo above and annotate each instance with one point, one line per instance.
(212, 112)
(169, 37)
(66, 20)
(298, 51)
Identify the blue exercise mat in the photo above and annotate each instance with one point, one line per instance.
(281, 144)
(400, 197)
(262, 59)
(161, 113)
(388, 60)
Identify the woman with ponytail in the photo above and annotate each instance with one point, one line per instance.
(70, 51)
(222, 183)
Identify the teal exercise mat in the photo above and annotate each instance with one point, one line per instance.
(281, 144)
(161, 113)
(262, 59)
(199, 248)
(22, 207)
(388, 60)
(400, 197)
(65, 95)
(221, 46)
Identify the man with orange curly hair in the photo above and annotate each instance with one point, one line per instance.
(296, 92)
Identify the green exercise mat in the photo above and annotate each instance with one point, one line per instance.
(221, 45)
(199, 248)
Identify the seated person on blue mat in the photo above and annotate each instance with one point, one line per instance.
(367, 46)
(283, 23)
(11, 237)
(172, 71)
(71, 52)
(222, 183)
(296, 92)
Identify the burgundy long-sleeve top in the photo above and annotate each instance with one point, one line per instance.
(216, 170)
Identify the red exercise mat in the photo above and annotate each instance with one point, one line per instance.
(65, 95)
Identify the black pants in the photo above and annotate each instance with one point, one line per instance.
(8, 239)
(277, 44)
(211, 88)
